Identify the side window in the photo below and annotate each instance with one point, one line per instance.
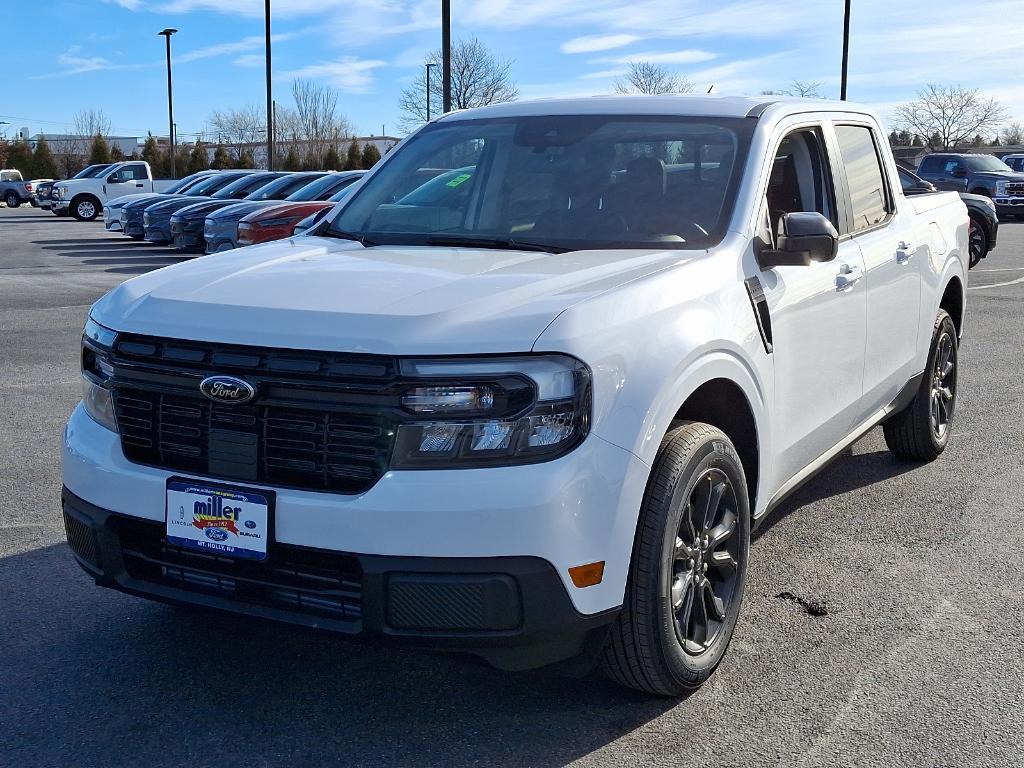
(135, 172)
(800, 180)
(951, 167)
(869, 195)
(930, 165)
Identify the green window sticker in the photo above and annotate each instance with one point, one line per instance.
(462, 178)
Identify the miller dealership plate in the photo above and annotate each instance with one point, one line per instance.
(233, 522)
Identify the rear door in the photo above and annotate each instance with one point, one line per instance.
(880, 223)
(818, 312)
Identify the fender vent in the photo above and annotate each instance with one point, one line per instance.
(760, 305)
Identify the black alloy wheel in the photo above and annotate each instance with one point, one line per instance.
(705, 562)
(943, 395)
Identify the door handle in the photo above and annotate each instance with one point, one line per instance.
(848, 277)
(140, 185)
(904, 252)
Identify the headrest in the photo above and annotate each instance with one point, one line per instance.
(648, 173)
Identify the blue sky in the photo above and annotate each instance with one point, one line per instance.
(105, 54)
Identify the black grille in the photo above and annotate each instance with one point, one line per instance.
(321, 421)
(297, 579)
(1015, 189)
(81, 538)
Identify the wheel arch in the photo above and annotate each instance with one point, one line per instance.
(88, 196)
(953, 302)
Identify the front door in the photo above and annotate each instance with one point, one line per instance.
(818, 315)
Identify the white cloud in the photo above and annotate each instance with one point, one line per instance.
(251, 43)
(604, 74)
(349, 74)
(250, 60)
(131, 5)
(73, 63)
(593, 43)
(666, 57)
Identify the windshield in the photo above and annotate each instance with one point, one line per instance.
(557, 182)
(344, 192)
(214, 183)
(246, 185)
(91, 171)
(986, 163)
(284, 186)
(187, 183)
(321, 189)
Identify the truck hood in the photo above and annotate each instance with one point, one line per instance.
(336, 295)
(238, 210)
(998, 175)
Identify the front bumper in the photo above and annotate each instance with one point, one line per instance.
(1009, 206)
(157, 230)
(512, 611)
(112, 219)
(61, 206)
(221, 236)
(187, 235)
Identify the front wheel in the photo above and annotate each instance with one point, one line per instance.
(920, 432)
(689, 566)
(12, 200)
(85, 209)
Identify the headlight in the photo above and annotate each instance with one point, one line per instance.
(492, 412)
(124, 214)
(145, 219)
(1001, 188)
(96, 369)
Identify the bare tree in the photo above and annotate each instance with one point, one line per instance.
(646, 77)
(807, 89)
(949, 115)
(1013, 133)
(247, 125)
(89, 123)
(317, 122)
(479, 78)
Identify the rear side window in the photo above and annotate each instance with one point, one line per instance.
(868, 194)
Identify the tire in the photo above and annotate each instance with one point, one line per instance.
(34, 203)
(920, 432)
(85, 208)
(978, 246)
(12, 200)
(656, 644)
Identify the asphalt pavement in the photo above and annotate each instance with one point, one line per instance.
(918, 660)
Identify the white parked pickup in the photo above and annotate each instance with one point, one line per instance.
(528, 391)
(84, 198)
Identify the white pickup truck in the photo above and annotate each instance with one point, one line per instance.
(84, 198)
(536, 413)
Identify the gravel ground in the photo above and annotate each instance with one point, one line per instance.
(918, 661)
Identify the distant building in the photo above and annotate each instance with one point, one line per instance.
(67, 143)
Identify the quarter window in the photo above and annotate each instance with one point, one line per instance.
(868, 193)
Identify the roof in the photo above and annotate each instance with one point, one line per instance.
(667, 104)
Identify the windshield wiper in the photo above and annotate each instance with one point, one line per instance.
(341, 235)
(504, 244)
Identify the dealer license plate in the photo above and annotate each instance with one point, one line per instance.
(217, 519)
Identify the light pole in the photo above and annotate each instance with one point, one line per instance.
(846, 50)
(446, 52)
(170, 97)
(429, 67)
(270, 98)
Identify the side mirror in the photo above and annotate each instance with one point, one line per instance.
(113, 178)
(959, 173)
(803, 238)
(926, 186)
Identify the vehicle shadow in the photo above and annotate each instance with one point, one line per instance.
(93, 677)
(848, 472)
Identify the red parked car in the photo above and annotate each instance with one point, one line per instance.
(278, 222)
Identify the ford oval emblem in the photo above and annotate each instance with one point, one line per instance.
(216, 534)
(227, 389)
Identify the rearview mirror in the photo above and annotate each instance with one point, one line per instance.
(803, 238)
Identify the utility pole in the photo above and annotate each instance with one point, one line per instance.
(446, 52)
(430, 66)
(846, 51)
(270, 99)
(170, 98)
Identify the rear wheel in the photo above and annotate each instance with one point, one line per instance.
(920, 432)
(12, 200)
(689, 566)
(978, 242)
